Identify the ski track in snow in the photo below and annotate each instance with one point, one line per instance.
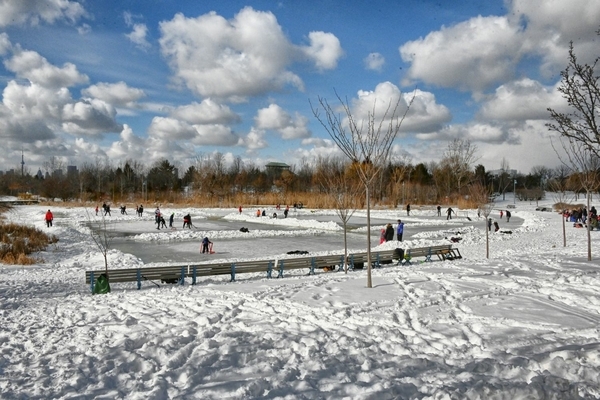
(522, 324)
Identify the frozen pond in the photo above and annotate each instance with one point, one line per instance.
(165, 247)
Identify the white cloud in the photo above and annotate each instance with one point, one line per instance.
(277, 119)
(255, 140)
(374, 62)
(234, 59)
(325, 49)
(116, 94)
(30, 65)
(471, 55)
(138, 36)
(162, 128)
(16, 12)
(5, 45)
(522, 100)
(425, 115)
(129, 146)
(206, 112)
(171, 128)
(89, 117)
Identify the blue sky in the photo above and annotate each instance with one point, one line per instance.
(107, 81)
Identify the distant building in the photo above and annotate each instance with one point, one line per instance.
(72, 170)
(276, 168)
(39, 174)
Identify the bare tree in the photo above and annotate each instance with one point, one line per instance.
(580, 86)
(333, 175)
(561, 197)
(586, 171)
(100, 233)
(459, 157)
(366, 142)
(482, 196)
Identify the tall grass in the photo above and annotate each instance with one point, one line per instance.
(17, 242)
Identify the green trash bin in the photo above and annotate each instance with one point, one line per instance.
(102, 286)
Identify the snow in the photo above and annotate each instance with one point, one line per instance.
(522, 324)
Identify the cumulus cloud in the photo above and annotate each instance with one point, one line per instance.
(475, 132)
(277, 119)
(425, 115)
(164, 128)
(5, 45)
(138, 36)
(551, 25)
(32, 66)
(234, 59)
(471, 55)
(522, 100)
(116, 94)
(129, 146)
(374, 62)
(89, 117)
(254, 140)
(34, 11)
(206, 112)
(324, 49)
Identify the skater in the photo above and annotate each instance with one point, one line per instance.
(449, 212)
(400, 230)
(171, 219)
(141, 209)
(508, 216)
(107, 210)
(258, 213)
(496, 226)
(501, 214)
(408, 209)
(49, 218)
(157, 215)
(382, 237)
(264, 213)
(162, 221)
(205, 243)
(187, 221)
(489, 224)
(96, 211)
(285, 212)
(240, 209)
(123, 209)
(439, 210)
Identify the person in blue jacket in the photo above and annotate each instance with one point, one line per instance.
(400, 230)
(205, 243)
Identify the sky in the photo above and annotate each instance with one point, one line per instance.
(518, 325)
(107, 81)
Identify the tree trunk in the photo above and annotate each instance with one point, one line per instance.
(369, 281)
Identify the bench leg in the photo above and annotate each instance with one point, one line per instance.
(182, 277)
(269, 269)
(312, 267)
(92, 281)
(193, 275)
(139, 278)
(232, 273)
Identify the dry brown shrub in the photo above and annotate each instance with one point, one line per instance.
(19, 241)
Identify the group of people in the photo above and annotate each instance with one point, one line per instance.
(582, 217)
(387, 234)
(263, 213)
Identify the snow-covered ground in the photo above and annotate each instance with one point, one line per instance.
(523, 324)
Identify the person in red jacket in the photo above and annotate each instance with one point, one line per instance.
(49, 218)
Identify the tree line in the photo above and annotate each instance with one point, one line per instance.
(210, 181)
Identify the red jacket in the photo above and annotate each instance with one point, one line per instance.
(49, 216)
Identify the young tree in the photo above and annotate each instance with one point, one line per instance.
(482, 196)
(561, 197)
(343, 191)
(365, 141)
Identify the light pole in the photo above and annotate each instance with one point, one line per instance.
(403, 193)
(515, 191)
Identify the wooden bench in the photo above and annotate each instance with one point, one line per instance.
(178, 273)
(443, 252)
